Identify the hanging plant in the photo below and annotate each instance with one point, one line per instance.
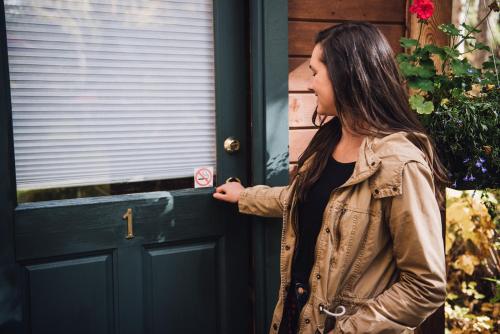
(456, 102)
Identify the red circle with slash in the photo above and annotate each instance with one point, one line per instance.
(203, 177)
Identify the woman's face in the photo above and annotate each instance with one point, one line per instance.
(321, 84)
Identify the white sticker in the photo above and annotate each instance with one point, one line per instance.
(203, 177)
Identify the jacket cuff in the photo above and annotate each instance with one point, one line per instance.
(243, 205)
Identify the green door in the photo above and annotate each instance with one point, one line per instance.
(186, 268)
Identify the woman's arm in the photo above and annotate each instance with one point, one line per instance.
(260, 200)
(415, 225)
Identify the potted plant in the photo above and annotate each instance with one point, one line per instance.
(456, 102)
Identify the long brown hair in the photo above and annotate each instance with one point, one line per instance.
(369, 96)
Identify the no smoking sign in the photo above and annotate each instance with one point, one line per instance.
(203, 177)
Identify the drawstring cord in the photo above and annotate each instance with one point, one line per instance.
(332, 314)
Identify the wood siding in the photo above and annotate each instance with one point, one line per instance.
(305, 19)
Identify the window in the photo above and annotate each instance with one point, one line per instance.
(110, 92)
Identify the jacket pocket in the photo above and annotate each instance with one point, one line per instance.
(357, 234)
(350, 231)
(344, 307)
(351, 222)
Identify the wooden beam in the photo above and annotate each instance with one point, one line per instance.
(301, 36)
(431, 34)
(367, 10)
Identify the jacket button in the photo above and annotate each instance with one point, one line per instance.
(327, 230)
(307, 321)
(275, 326)
(287, 247)
(395, 188)
(318, 276)
(377, 191)
(373, 163)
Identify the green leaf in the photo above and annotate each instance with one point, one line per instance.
(432, 48)
(449, 29)
(420, 52)
(422, 84)
(435, 50)
(451, 52)
(489, 64)
(470, 28)
(427, 69)
(408, 42)
(418, 103)
(408, 69)
(495, 298)
(425, 72)
(481, 46)
(494, 280)
(401, 57)
(426, 109)
(459, 67)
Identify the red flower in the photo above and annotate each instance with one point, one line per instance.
(423, 9)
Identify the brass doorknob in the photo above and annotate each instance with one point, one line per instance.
(231, 145)
(233, 179)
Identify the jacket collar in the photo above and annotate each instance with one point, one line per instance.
(366, 164)
(395, 149)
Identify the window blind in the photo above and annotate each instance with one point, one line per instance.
(107, 91)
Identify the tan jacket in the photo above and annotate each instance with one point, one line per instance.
(380, 251)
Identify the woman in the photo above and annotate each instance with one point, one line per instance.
(362, 248)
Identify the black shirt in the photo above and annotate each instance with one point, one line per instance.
(310, 215)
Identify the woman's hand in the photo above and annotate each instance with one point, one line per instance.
(229, 192)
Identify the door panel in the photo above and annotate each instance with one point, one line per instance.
(64, 227)
(72, 296)
(176, 272)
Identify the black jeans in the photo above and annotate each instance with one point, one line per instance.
(297, 296)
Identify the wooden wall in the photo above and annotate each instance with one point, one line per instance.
(307, 17)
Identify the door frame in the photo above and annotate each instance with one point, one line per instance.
(269, 140)
(10, 271)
